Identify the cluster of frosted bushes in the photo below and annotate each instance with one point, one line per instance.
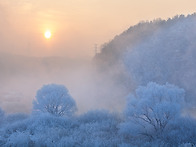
(153, 116)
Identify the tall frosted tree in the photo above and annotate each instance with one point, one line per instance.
(153, 108)
(54, 99)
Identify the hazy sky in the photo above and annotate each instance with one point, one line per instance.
(76, 25)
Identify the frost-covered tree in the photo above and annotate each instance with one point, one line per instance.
(54, 99)
(12, 118)
(2, 116)
(2, 113)
(152, 109)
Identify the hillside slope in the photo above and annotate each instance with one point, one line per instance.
(160, 51)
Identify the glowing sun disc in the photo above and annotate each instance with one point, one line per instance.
(47, 34)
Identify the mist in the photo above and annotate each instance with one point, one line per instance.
(133, 58)
(139, 90)
(22, 76)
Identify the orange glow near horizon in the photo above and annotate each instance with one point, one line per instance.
(75, 26)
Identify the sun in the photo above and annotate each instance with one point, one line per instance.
(47, 34)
